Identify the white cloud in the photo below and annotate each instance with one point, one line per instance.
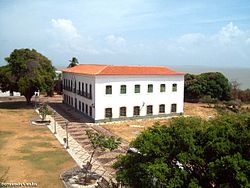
(229, 32)
(66, 38)
(112, 40)
(65, 28)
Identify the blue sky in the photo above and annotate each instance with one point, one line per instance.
(134, 32)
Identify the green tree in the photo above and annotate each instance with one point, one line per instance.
(44, 111)
(73, 62)
(99, 142)
(190, 153)
(26, 72)
(212, 84)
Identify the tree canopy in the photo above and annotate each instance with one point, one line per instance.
(26, 72)
(213, 84)
(73, 62)
(190, 153)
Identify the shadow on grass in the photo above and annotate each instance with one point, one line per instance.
(15, 105)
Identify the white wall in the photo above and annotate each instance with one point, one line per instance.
(131, 99)
(85, 79)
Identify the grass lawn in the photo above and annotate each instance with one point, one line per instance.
(32, 154)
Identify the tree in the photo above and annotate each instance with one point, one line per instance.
(26, 72)
(99, 142)
(190, 153)
(73, 62)
(44, 111)
(214, 84)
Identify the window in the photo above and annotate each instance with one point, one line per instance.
(90, 111)
(79, 86)
(123, 89)
(149, 110)
(162, 108)
(108, 90)
(163, 88)
(90, 91)
(123, 111)
(137, 88)
(108, 112)
(82, 107)
(173, 108)
(86, 108)
(174, 87)
(86, 87)
(136, 110)
(150, 88)
(79, 106)
(75, 103)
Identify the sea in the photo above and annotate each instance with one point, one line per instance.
(241, 75)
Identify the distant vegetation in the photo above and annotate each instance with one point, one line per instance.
(190, 153)
(213, 84)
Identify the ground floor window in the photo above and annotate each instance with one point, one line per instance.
(173, 108)
(108, 112)
(82, 107)
(162, 108)
(149, 110)
(123, 111)
(136, 111)
(90, 111)
(87, 109)
(79, 106)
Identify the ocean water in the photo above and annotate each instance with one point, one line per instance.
(241, 75)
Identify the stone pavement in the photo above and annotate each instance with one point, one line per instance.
(80, 147)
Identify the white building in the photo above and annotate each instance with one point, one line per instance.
(109, 93)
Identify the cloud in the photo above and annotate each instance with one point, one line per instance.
(65, 28)
(67, 39)
(112, 40)
(229, 32)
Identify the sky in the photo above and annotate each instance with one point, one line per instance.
(129, 32)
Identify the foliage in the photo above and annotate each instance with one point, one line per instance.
(213, 84)
(44, 111)
(73, 62)
(244, 95)
(26, 72)
(190, 153)
(207, 99)
(102, 142)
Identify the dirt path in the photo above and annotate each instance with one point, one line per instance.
(32, 154)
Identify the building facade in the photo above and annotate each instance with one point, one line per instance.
(109, 93)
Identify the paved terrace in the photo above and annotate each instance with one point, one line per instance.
(80, 147)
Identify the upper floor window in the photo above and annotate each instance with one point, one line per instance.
(136, 111)
(150, 88)
(137, 88)
(123, 89)
(174, 87)
(163, 88)
(108, 112)
(123, 111)
(149, 110)
(173, 108)
(108, 90)
(162, 108)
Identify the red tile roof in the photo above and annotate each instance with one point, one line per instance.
(92, 69)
